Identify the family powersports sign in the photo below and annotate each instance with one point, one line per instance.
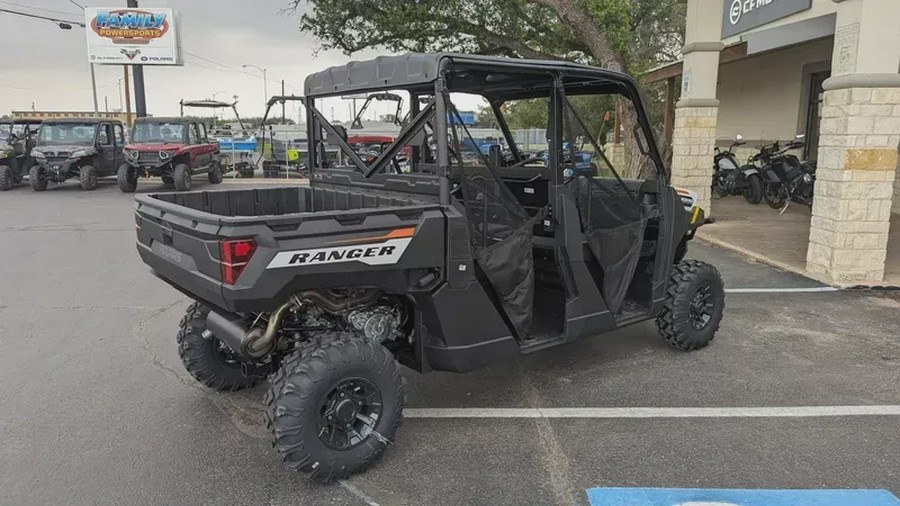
(146, 36)
(742, 15)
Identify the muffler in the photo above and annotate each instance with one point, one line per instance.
(255, 343)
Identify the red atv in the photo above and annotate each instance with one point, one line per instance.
(174, 149)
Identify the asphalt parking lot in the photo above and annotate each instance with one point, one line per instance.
(97, 408)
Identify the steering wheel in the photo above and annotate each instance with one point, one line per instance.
(525, 162)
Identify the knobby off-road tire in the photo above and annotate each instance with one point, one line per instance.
(87, 175)
(215, 173)
(181, 176)
(754, 192)
(205, 359)
(297, 402)
(6, 178)
(694, 305)
(127, 178)
(36, 179)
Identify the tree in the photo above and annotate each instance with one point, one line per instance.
(631, 35)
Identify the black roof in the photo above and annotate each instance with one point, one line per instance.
(20, 121)
(88, 121)
(163, 119)
(418, 71)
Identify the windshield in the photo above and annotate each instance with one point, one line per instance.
(74, 134)
(5, 129)
(157, 133)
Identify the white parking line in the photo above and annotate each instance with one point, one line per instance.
(724, 412)
(814, 289)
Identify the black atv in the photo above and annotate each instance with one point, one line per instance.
(16, 141)
(451, 265)
(86, 148)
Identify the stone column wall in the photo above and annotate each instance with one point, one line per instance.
(616, 154)
(693, 144)
(857, 163)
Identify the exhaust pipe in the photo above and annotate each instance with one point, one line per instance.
(253, 344)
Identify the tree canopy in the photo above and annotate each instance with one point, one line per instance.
(628, 35)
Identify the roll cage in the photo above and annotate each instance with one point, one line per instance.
(431, 78)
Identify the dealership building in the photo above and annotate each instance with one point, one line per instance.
(772, 69)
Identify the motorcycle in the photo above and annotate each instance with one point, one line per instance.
(787, 179)
(729, 178)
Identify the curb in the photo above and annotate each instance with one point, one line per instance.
(763, 259)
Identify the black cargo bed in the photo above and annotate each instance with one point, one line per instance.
(280, 201)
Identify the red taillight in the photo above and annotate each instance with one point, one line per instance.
(234, 257)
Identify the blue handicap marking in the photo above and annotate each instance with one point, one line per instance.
(735, 497)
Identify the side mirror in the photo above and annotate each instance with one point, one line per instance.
(341, 134)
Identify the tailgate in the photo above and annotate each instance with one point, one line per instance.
(181, 245)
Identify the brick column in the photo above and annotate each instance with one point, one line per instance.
(858, 158)
(693, 143)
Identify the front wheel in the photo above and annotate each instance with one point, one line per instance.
(332, 412)
(775, 195)
(694, 304)
(753, 193)
(127, 178)
(6, 178)
(88, 177)
(215, 173)
(181, 177)
(36, 179)
(209, 361)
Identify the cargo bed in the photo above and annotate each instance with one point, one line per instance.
(181, 235)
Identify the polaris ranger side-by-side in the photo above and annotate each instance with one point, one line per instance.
(17, 137)
(450, 264)
(86, 148)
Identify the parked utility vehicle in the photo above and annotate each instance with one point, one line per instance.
(86, 148)
(448, 266)
(17, 137)
(174, 149)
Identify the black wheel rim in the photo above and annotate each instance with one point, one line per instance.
(702, 306)
(349, 413)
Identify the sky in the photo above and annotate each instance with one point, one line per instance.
(49, 67)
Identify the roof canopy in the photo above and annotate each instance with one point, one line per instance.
(492, 77)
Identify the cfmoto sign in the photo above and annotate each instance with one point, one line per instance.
(742, 15)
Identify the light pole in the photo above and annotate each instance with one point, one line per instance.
(216, 109)
(265, 78)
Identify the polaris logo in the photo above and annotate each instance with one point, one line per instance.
(383, 253)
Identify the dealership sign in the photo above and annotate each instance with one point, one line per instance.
(145, 36)
(742, 15)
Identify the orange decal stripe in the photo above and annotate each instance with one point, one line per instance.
(398, 233)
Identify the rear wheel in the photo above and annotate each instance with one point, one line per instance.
(88, 177)
(127, 178)
(775, 195)
(754, 191)
(694, 305)
(37, 179)
(333, 411)
(215, 173)
(209, 361)
(7, 178)
(181, 176)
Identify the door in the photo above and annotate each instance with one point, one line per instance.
(119, 139)
(211, 149)
(107, 147)
(814, 114)
(198, 154)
